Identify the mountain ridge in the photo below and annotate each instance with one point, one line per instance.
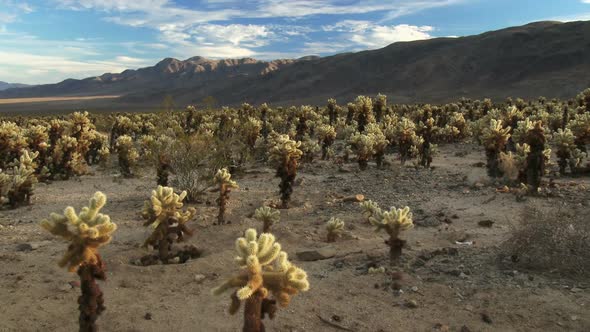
(539, 58)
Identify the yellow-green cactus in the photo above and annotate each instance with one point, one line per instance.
(127, 153)
(326, 135)
(226, 184)
(86, 232)
(264, 269)
(334, 226)
(364, 107)
(268, 216)
(369, 209)
(494, 138)
(513, 165)
(285, 153)
(393, 222)
(164, 213)
(364, 147)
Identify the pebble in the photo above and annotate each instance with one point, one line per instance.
(413, 304)
(199, 278)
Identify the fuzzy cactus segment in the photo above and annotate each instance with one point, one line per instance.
(86, 232)
(334, 226)
(268, 216)
(393, 222)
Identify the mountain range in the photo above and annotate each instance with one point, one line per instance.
(542, 58)
(5, 86)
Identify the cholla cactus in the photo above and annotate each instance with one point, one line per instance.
(12, 141)
(332, 111)
(380, 143)
(226, 184)
(264, 269)
(127, 154)
(405, 133)
(65, 159)
(285, 154)
(567, 152)
(326, 135)
(494, 138)
(380, 106)
(370, 209)
(363, 146)
(310, 149)
(334, 226)
(536, 159)
(519, 133)
(364, 107)
(351, 110)
(251, 130)
(513, 165)
(394, 222)
(4, 185)
(164, 214)
(580, 127)
(268, 216)
(21, 183)
(86, 232)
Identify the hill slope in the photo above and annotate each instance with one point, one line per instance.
(5, 86)
(543, 58)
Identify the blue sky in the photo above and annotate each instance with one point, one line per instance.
(51, 40)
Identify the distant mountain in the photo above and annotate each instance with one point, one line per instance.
(4, 86)
(544, 58)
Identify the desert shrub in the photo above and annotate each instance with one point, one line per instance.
(551, 239)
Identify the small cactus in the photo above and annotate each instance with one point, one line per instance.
(285, 153)
(265, 270)
(394, 222)
(334, 226)
(226, 184)
(268, 216)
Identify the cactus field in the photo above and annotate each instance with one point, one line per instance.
(353, 215)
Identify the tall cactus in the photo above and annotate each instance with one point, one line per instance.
(86, 232)
(226, 184)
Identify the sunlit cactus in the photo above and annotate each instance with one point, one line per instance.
(251, 131)
(334, 228)
(12, 141)
(379, 106)
(86, 232)
(363, 146)
(163, 212)
(127, 154)
(424, 146)
(567, 152)
(369, 209)
(310, 149)
(285, 154)
(580, 127)
(513, 165)
(66, 161)
(405, 135)
(268, 216)
(23, 180)
(332, 112)
(494, 138)
(380, 143)
(364, 109)
(264, 270)
(226, 184)
(351, 111)
(327, 135)
(393, 222)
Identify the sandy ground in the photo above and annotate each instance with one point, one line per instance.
(451, 286)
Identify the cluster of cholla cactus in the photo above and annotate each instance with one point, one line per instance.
(268, 216)
(567, 152)
(86, 232)
(265, 270)
(369, 209)
(393, 222)
(226, 184)
(334, 228)
(17, 185)
(285, 154)
(164, 214)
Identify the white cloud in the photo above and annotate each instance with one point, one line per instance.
(379, 36)
(586, 1)
(50, 69)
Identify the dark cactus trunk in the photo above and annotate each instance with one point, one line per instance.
(91, 303)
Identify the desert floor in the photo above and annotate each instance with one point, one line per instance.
(446, 285)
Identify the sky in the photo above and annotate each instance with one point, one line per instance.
(47, 41)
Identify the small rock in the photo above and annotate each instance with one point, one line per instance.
(148, 316)
(574, 318)
(464, 328)
(24, 247)
(199, 278)
(413, 304)
(486, 223)
(414, 288)
(175, 260)
(486, 318)
(65, 287)
(316, 254)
